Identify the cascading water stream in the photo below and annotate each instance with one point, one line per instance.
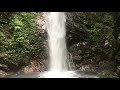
(57, 43)
(57, 46)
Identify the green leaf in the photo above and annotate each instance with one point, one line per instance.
(1, 34)
(17, 22)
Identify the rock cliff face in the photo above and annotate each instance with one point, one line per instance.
(72, 29)
(39, 64)
(41, 20)
(75, 37)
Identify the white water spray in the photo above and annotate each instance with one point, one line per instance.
(57, 43)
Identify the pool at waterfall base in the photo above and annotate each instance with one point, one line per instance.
(50, 74)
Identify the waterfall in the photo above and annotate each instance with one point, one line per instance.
(58, 61)
(57, 43)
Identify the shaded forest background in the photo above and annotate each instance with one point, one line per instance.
(93, 42)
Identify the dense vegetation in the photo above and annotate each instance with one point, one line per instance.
(19, 39)
(93, 40)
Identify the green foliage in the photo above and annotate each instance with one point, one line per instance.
(102, 29)
(17, 47)
(92, 27)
